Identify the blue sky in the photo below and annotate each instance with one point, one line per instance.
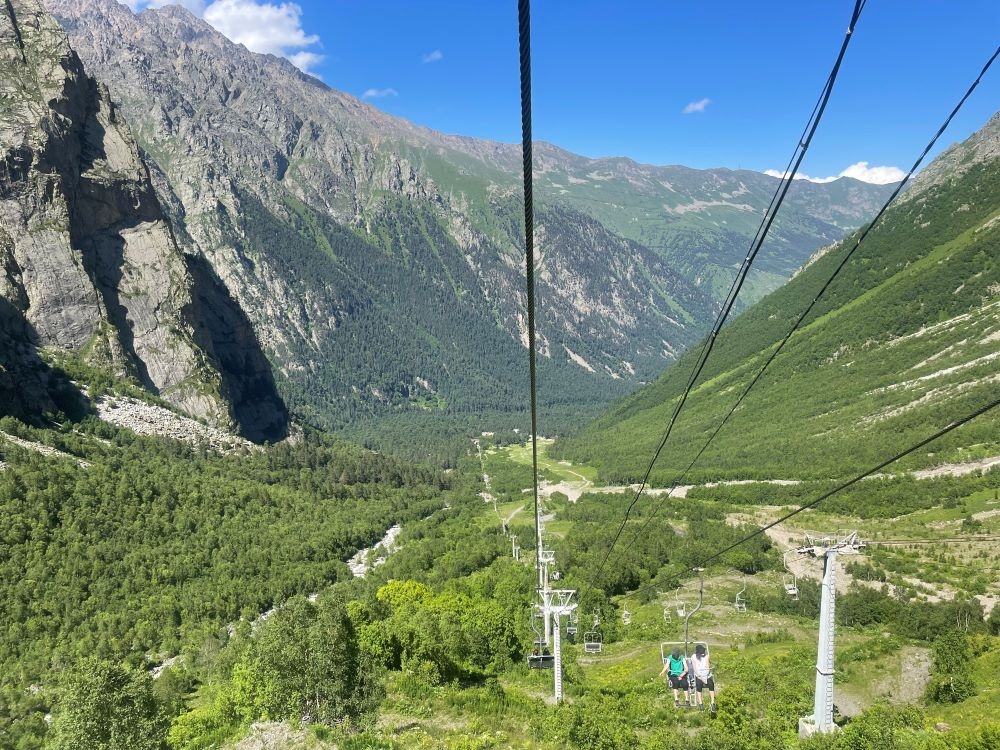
(703, 84)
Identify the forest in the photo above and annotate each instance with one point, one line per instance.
(409, 358)
(223, 576)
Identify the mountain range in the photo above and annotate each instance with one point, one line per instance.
(378, 265)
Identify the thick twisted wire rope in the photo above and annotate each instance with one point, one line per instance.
(524, 44)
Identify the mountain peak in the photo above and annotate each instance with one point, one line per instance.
(981, 147)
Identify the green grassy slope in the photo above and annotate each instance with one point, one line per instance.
(904, 341)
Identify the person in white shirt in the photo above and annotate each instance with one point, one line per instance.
(703, 676)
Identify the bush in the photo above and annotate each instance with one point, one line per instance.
(951, 682)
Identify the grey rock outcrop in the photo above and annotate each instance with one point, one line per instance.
(981, 148)
(91, 266)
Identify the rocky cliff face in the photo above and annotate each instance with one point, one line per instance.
(90, 263)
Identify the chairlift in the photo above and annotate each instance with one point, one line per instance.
(791, 583)
(626, 617)
(687, 649)
(571, 626)
(540, 656)
(593, 641)
(792, 586)
(741, 601)
(680, 606)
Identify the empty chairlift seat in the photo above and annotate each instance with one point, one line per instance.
(593, 642)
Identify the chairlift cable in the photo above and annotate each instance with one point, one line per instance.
(765, 226)
(843, 263)
(826, 495)
(524, 44)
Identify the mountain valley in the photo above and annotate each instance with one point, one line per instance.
(409, 243)
(256, 334)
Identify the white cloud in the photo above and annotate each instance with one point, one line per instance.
(859, 171)
(379, 93)
(798, 176)
(434, 56)
(269, 28)
(304, 60)
(876, 175)
(266, 28)
(698, 106)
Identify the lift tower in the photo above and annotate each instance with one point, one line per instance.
(826, 547)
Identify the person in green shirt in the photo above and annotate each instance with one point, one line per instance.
(675, 667)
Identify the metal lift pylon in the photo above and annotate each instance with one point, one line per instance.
(559, 602)
(826, 548)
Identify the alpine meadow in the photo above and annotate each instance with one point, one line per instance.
(322, 429)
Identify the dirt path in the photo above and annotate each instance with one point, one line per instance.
(513, 513)
(957, 470)
(45, 450)
(903, 681)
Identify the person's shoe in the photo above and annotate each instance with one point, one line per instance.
(677, 703)
(701, 706)
(713, 708)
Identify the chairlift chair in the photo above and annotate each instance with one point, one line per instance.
(791, 583)
(791, 587)
(626, 617)
(593, 641)
(540, 657)
(741, 601)
(687, 649)
(681, 608)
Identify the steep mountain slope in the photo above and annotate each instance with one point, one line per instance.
(397, 278)
(90, 264)
(906, 340)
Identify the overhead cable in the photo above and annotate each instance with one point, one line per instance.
(762, 231)
(840, 267)
(813, 503)
(704, 562)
